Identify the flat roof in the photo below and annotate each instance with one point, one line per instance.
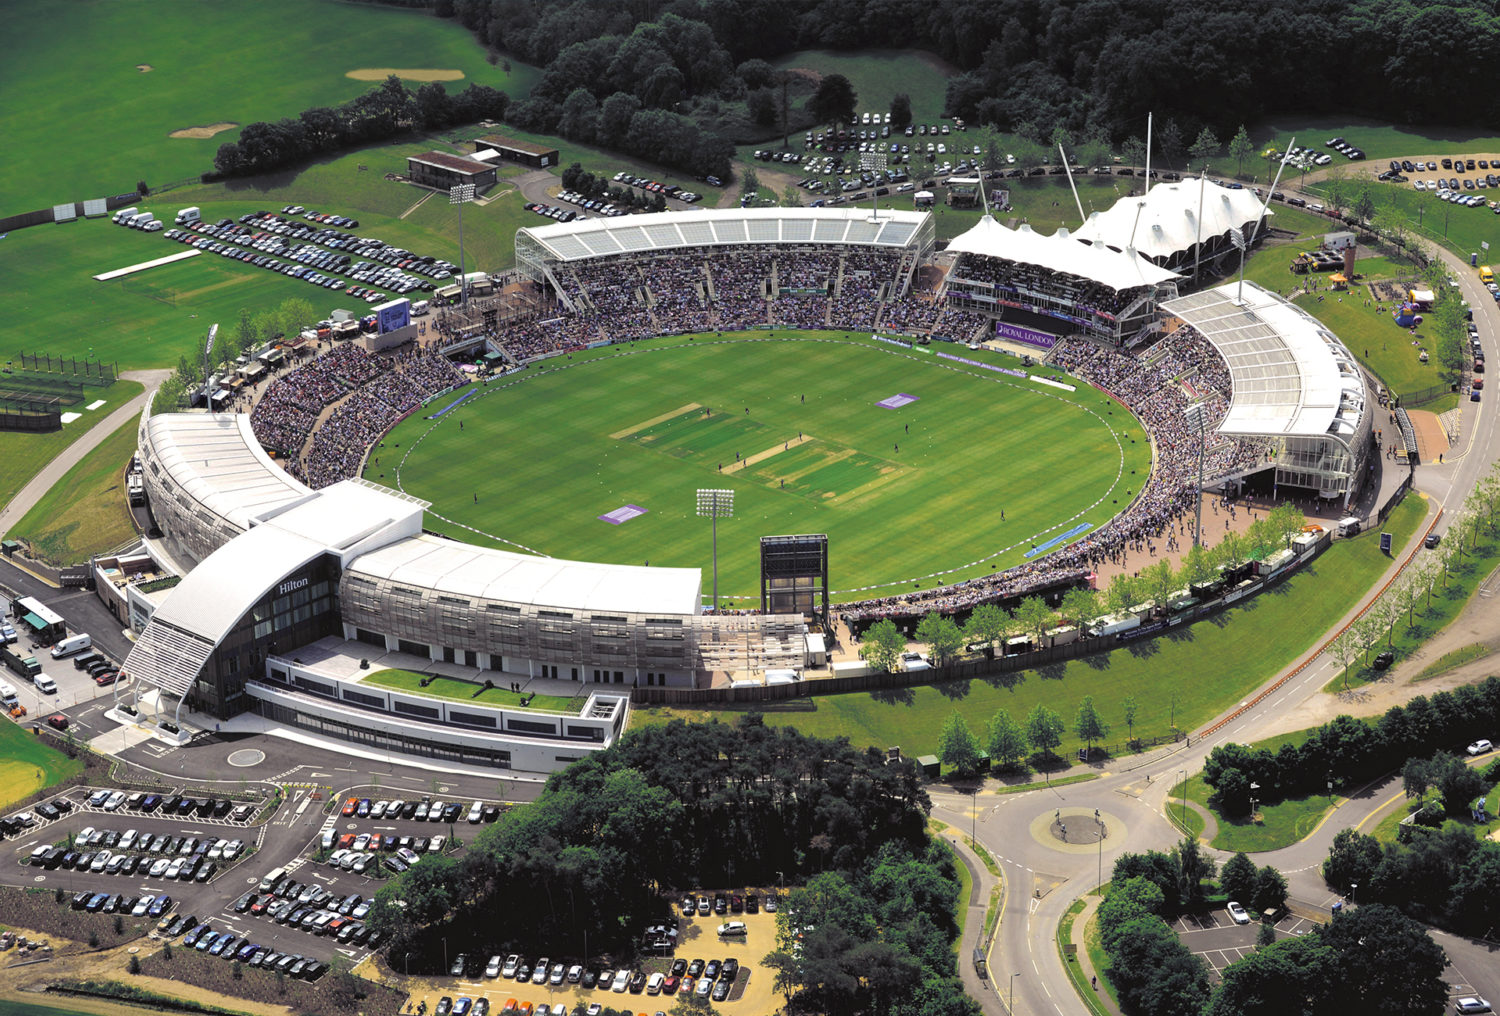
(460, 569)
(1165, 221)
(1060, 252)
(1291, 375)
(454, 163)
(709, 227)
(497, 141)
(215, 458)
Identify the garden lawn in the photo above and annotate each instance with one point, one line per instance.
(22, 456)
(1203, 668)
(86, 512)
(27, 765)
(1281, 824)
(463, 691)
(649, 423)
(209, 64)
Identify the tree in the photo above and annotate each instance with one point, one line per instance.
(761, 104)
(1240, 147)
(1128, 708)
(1345, 646)
(791, 197)
(835, 101)
(1133, 151)
(1388, 963)
(1044, 729)
(1198, 565)
(1270, 890)
(1033, 616)
(1288, 520)
(1352, 860)
(1204, 147)
(987, 624)
(1169, 137)
(1080, 605)
(1007, 745)
(942, 636)
(750, 181)
(957, 745)
(1237, 877)
(882, 645)
(1193, 868)
(1160, 582)
(580, 116)
(1123, 593)
(1088, 725)
(900, 111)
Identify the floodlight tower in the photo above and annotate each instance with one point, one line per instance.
(461, 194)
(1195, 414)
(208, 355)
(715, 503)
(873, 162)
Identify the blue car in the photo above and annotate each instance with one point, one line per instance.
(207, 941)
(192, 938)
(161, 905)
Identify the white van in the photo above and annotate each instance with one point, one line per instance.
(45, 684)
(188, 215)
(7, 694)
(273, 878)
(781, 677)
(124, 215)
(1349, 526)
(419, 308)
(71, 645)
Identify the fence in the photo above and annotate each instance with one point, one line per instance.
(1396, 496)
(41, 215)
(79, 372)
(36, 423)
(1044, 656)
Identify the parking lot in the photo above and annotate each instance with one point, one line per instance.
(1221, 942)
(698, 948)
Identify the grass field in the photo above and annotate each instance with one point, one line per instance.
(23, 455)
(1278, 825)
(464, 691)
(210, 63)
(87, 511)
(878, 74)
(1188, 677)
(648, 425)
(27, 765)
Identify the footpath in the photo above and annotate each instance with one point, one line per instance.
(982, 989)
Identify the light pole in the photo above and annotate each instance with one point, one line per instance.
(1011, 1005)
(873, 162)
(715, 503)
(1195, 414)
(1352, 886)
(461, 194)
(1183, 774)
(1100, 823)
(1253, 788)
(208, 352)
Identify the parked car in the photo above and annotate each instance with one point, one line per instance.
(1237, 913)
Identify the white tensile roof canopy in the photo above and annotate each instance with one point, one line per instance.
(1060, 252)
(1165, 221)
(1291, 376)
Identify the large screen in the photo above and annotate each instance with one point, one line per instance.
(394, 315)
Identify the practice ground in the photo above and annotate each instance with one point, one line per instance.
(909, 496)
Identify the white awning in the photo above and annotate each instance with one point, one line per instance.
(1165, 221)
(1060, 252)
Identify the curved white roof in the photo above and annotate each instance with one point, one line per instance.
(1060, 252)
(1168, 217)
(708, 227)
(1291, 375)
(216, 460)
(462, 569)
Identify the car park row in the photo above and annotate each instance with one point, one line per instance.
(425, 810)
(202, 937)
(221, 811)
(711, 978)
(312, 909)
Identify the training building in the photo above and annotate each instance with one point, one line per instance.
(442, 171)
(511, 150)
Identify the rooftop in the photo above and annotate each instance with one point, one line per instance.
(1166, 220)
(497, 141)
(1291, 375)
(1060, 252)
(708, 227)
(454, 163)
(216, 459)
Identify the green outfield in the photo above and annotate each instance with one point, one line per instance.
(960, 482)
(104, 86)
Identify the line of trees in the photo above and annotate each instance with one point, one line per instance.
(576, 178)
(683, 805)
(1348, 751)
(387, 111)
(1009, 744)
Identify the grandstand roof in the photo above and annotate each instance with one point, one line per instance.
(461, 569)
(1060, 252)
(216, 459)
(1291, 376)
(1168, 217)
(706, 227)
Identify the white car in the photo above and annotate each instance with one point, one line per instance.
(621, 981)
(159, 867)
(142, 905)
(113, 802)
(1480, 747)
(492, 969)
(511, 962)
(1470, 1004)
(128, 839)
(1237, 913)
(539, 974)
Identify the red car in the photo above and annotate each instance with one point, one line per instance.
(58, 720)
(350, 805)
(107, 678)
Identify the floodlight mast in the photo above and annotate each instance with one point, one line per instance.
(461, 194)
(873, 162)
(208, 353)
(715, 503)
